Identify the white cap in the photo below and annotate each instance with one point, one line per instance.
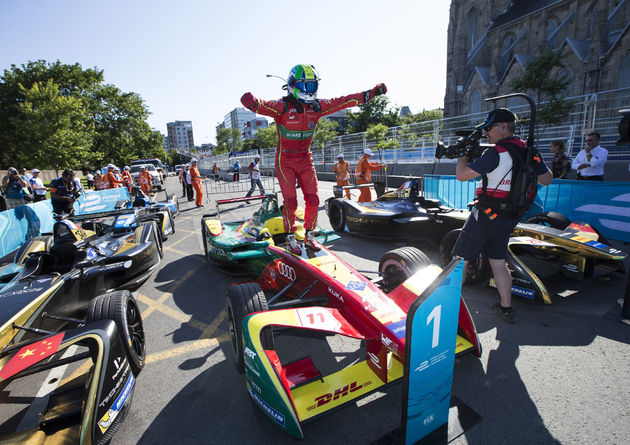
(368, 152)
(126, 167)
(340, 155)
(257, 157)
(34, 171)
(193, 160)
(142, 167)
(111, 166)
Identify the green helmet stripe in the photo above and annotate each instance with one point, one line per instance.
(299, 72)
(308, 71)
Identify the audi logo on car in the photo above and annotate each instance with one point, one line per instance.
(286, 271)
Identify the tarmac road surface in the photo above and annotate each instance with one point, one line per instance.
(559, 375)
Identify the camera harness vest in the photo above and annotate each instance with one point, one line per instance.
(511, 198)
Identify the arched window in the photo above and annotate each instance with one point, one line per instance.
(475, 102)
(550, 33)
(624, 72)
(566, 74)
(473, 20)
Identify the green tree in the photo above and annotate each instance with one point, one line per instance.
(55, 128)
(372, 113)
(325, 131)
(267, 137)
(541, 80)
(378, 133)
(228, 140)
(423, 116)
(113, 122)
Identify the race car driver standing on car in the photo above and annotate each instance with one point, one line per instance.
(490, 234)
(363, 173)
(341, 172)
(296, 116)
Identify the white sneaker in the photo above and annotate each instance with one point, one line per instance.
(293, 245)
(311, 242)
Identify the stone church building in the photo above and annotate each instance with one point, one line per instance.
(491, 41)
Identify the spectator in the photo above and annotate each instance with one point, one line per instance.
(100, 181)
(77, 183)
(27, 178)
(590, 161)
(111, 179)
(39, 191)
(363, 173)
(126, 177)
(216, 170)
(560, 165)
(189, 187)
(482, 233)
(14, 187)
(237, 170)
(89, 177)
(342, 173)
(182, 179)
(195, 181)
(63, 192)
(254, 176)
(144, 180)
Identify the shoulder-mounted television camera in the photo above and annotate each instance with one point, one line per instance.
(467, 144)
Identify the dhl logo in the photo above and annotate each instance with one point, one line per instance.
(339, 392)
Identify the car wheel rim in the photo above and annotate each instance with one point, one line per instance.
(232, 329)
(136, 331)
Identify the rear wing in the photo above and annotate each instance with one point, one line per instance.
(338, 189)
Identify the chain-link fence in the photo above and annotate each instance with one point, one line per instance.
(416, 142)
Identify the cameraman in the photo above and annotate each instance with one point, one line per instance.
(63, 192)
(480, 233)
(13, 185)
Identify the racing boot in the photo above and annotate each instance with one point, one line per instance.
(311, 242)
(292, 245)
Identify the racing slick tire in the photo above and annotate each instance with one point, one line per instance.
(477, 271)
(399, 264)
(551, 219)
(242, 300)
(121, 307)
(337, 215)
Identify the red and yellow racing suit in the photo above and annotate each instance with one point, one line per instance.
(295, 124)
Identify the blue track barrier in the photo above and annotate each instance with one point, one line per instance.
(604, 205)
(28, 221)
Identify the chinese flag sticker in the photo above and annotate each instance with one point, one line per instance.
(31, 354)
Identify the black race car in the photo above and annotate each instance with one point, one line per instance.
(400, 213)
(71, 333)
(546, 243)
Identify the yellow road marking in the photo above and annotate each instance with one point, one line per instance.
(170, 245)
(178, 252)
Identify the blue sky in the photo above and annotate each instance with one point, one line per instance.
(192, 60)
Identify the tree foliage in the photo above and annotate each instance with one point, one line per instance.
(267, 137)
(228, 140)
(541, 80)
(325, 131)
(374, 112)
(378, 133)
(54, 115)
